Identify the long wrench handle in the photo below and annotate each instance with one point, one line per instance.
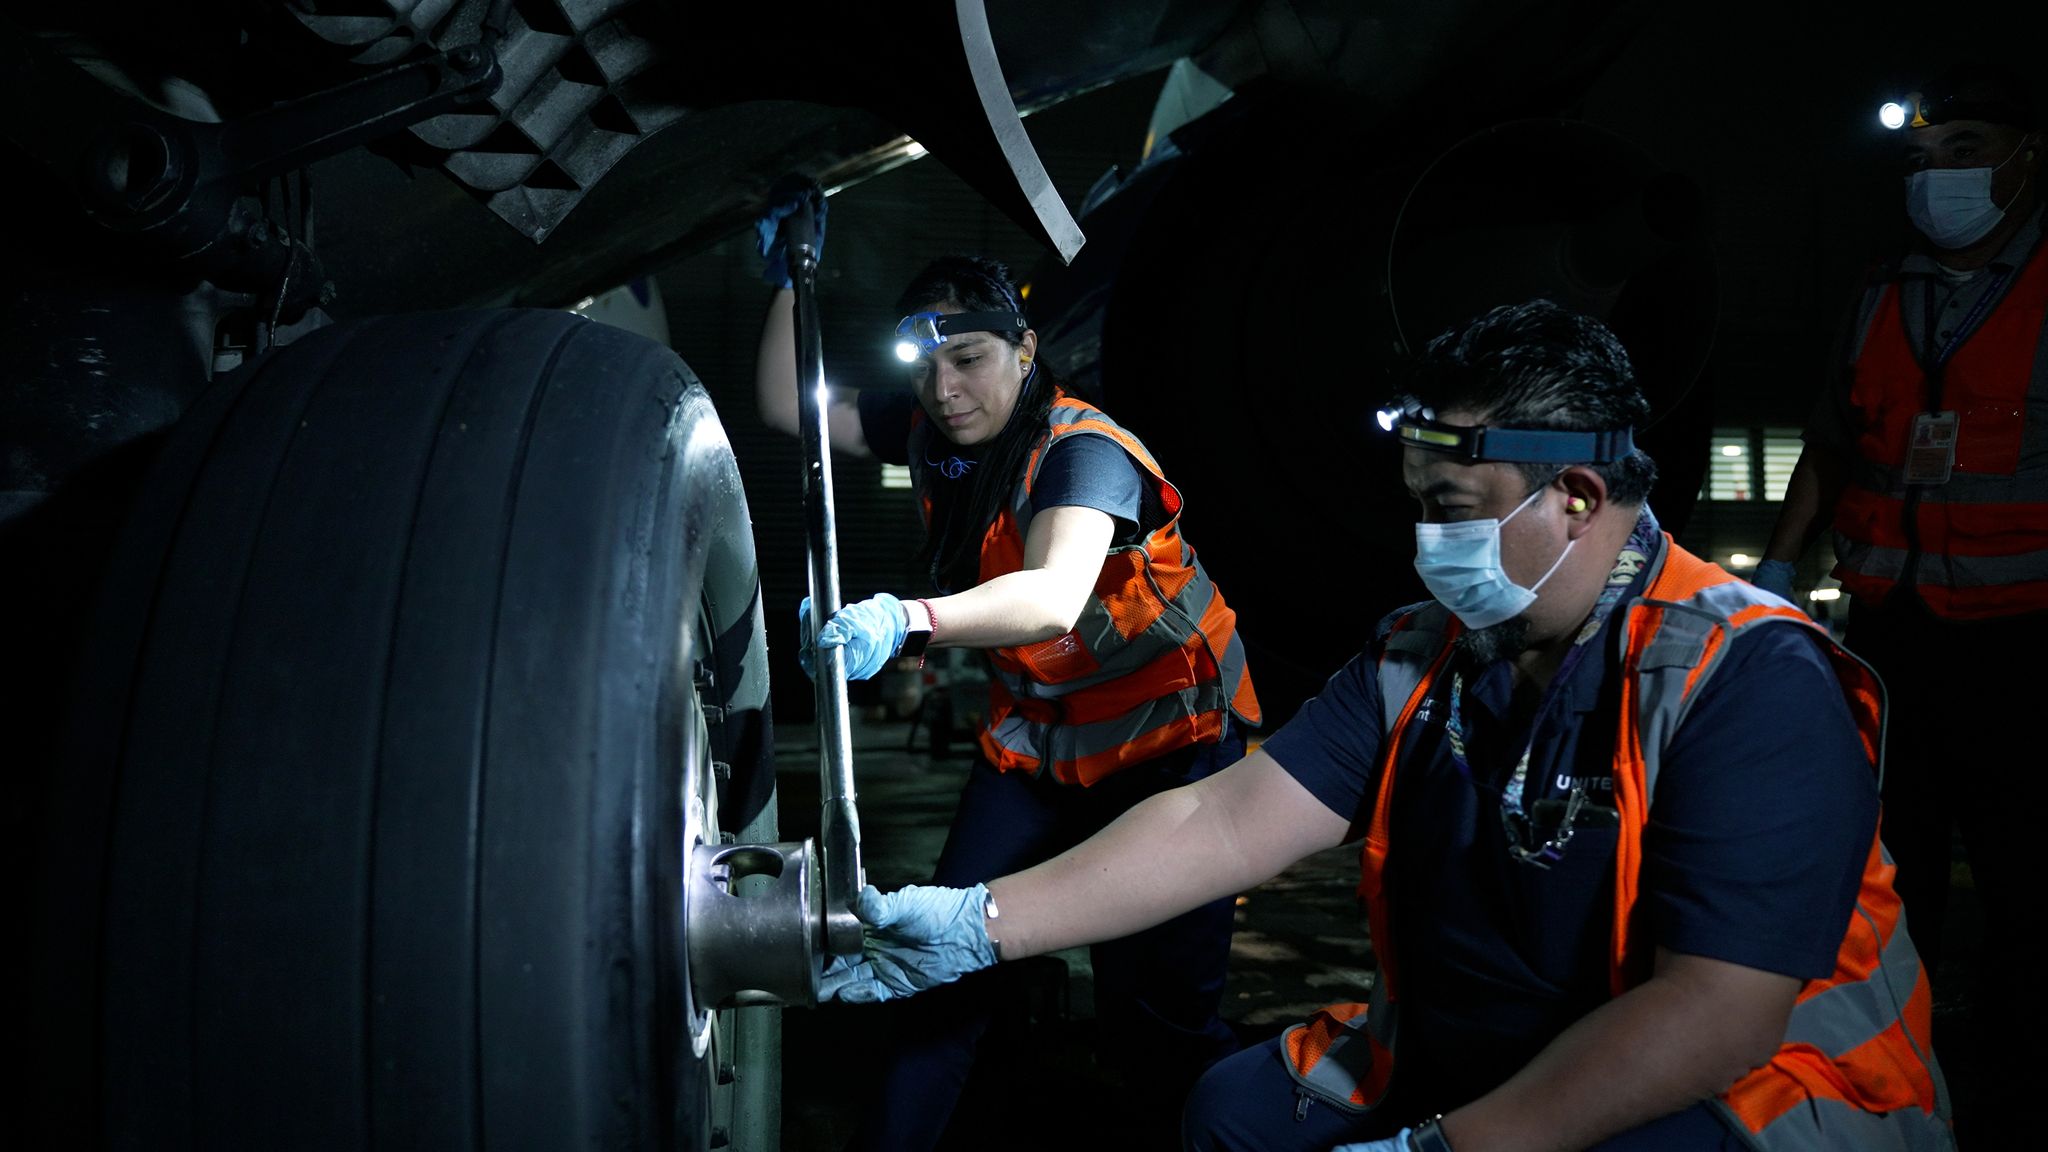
(839, 826)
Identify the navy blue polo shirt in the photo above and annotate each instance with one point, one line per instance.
(1758, 832)
(1089, 471)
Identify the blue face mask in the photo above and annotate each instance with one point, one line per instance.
(1953, 207)
(1460, 565)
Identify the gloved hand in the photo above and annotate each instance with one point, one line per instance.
(870, 630)
(1398, 1142)
(917, 937)
(783, 198)
(1774, 576)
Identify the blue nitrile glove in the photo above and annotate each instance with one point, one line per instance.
(1774, 576)
(915, 938)
(870, 630)
(1398, 1142)
(787, 193)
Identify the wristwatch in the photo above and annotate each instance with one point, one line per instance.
(1428, 1136)
(915, 639)
(988, 913)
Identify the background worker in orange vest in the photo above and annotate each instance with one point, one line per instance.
(1053, 546)
(1928, 456)
(1618, 810)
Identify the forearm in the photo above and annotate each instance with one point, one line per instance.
(1816, 483)
(1176, 851)
(1659, 1048)
(775, 365)
(775, 384)
(1062, 561)
(1016, 608)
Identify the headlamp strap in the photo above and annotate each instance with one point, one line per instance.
(1549, 446)
(954, 323)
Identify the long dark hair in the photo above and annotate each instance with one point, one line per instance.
(961, 513)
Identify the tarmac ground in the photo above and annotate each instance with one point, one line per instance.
(1300, 943)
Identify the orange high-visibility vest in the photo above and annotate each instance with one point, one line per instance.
(1982, 548)
(1854, 1071)
(1152, 664)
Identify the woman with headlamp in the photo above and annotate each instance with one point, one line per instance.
(1052, 544)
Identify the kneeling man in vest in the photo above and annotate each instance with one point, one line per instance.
(1618, 815)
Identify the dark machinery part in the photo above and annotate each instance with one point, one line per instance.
(954, 100)
(587, 88)
(180, 186)
(588, 80)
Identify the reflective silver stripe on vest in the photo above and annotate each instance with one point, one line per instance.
(1407, 655)
(1821, 1125)
(1944, 570)
(1062, 742)
(2029, 485)
(1827, 1020)
(1095, 630)
(1678, 648)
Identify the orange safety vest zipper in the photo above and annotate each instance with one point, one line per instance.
(1854, 1070)
(1152, 664)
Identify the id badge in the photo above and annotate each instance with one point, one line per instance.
(1931, 448)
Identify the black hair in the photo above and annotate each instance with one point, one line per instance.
(961, 513)
(1539, 365)
(1978, 89)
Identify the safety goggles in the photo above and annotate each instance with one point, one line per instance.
(921, 333)
(1472, 443)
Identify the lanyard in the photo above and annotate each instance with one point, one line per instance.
(1641, 546)
(1937, 365)
(1514, 822)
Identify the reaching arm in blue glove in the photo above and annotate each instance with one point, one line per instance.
(915, 938)
(870, 630)
(775, 371)
(1774, 576)
(786, 196)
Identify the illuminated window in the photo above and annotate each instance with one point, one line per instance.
(1745, 464)
(895, 476)
(1729, 463)
(1781, 452)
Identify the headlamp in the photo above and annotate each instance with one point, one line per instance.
(921, 333)
(1472, 443)
(1926, 109)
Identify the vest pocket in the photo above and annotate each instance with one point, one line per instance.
(1988, 438)
(1057, 660)
(1335, 1058)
